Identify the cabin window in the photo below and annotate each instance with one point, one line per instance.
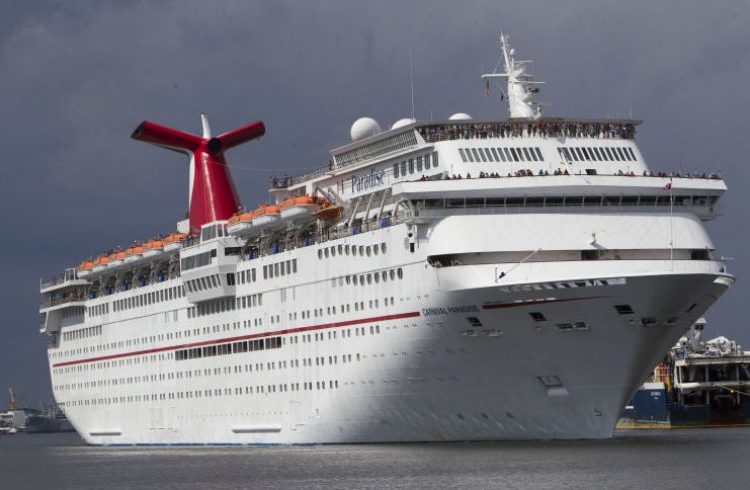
(395, 170)
(526, 154)
(411, 165)
(419, 164)
(475, 154)
(403, 168)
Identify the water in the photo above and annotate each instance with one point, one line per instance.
(686, 459)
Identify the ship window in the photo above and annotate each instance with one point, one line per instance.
(434, 159)
(230, 279)
(482, 155)
(589, 255)
(326, 252)
(411, 165)
(333, 251)
(495, 156)
(403, 168)
(253, 274)
(622, 155)
(537, 317)
(382, 247)
(463, 155)
(526, 154)
(539, 154)
(475, 154)
(395, 170)
(624, 309)
(632, 154)
(400, 273)
(516, 155)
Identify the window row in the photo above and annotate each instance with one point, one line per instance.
(207, 282)
(594, 154)
(369, 278)
(225, 304)
(482, 155)
(82, 333)
(224, 349)
(98, 310)
(247, 276)
(166, 294)
(353, 250)
(414, 165)
(198, 260)
(283, 268)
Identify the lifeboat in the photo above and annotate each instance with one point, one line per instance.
(134, 253)
(116, 258)
(299, 207)
(84, 269)
(241, 223)
(266, 215)
(153, 248)
(100, 263)
(328, 212)
(173, 241)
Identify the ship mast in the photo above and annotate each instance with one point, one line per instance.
(521, 85)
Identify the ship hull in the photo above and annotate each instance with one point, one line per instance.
(430, 374)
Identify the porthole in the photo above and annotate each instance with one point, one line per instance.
(392, 273)
(326, 253)
(354, 250)
(361, 250)
(320, 253)
(382, 247)
(375, 249)
(369, 278)
(377, 278)
(346, 250)
(400, 273)
(341, 248)
(384, 274)
(333, 251)
(368, 250)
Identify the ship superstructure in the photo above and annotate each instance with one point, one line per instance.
(441, 280)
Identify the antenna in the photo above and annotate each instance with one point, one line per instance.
(411, 81)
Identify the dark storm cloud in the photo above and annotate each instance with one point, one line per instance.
(77, 77)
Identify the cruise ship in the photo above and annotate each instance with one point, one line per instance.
(446, 280)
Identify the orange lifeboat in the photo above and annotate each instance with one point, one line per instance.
(241, 222)
(173, 241)
(328, 212)
(153, 247)
(100, 263)
(134, 253)
(116, 258)
(299, 207)
(266, 215)
(84, 268)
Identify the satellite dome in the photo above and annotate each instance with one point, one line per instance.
(403, 122)
(364, 127)
(459, 116)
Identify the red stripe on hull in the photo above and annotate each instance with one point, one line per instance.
(287, 331)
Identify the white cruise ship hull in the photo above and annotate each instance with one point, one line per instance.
(444, 354)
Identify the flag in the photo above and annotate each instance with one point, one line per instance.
(487, 88)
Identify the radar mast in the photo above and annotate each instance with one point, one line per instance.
(521, 85)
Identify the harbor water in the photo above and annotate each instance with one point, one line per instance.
(679, 459)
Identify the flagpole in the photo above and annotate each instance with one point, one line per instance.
(671, 224)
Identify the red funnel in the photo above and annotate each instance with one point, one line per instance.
(212, 194)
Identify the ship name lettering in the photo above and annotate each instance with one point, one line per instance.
(375, 178)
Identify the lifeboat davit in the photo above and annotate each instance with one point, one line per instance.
(266, 215)
(174, 241)
(299, 207)
(153, 248)
(241, 223)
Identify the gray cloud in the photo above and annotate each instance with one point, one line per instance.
(77, 77)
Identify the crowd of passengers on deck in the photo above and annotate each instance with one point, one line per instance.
(510, 129)
(529, 173)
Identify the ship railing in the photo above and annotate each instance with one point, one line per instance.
(517, 129)
(284, 245)
(48, 303)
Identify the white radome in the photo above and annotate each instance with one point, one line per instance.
(459, 116)
(405, 121)
(363, 128)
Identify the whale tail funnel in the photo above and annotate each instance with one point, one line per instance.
(212, 192)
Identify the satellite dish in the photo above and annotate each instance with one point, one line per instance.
(460, 116)
(363, 128)
(403, 122)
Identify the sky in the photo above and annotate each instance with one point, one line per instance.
(76, 77)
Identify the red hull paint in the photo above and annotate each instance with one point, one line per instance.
(324, 326)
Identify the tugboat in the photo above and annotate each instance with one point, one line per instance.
(698, 384)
